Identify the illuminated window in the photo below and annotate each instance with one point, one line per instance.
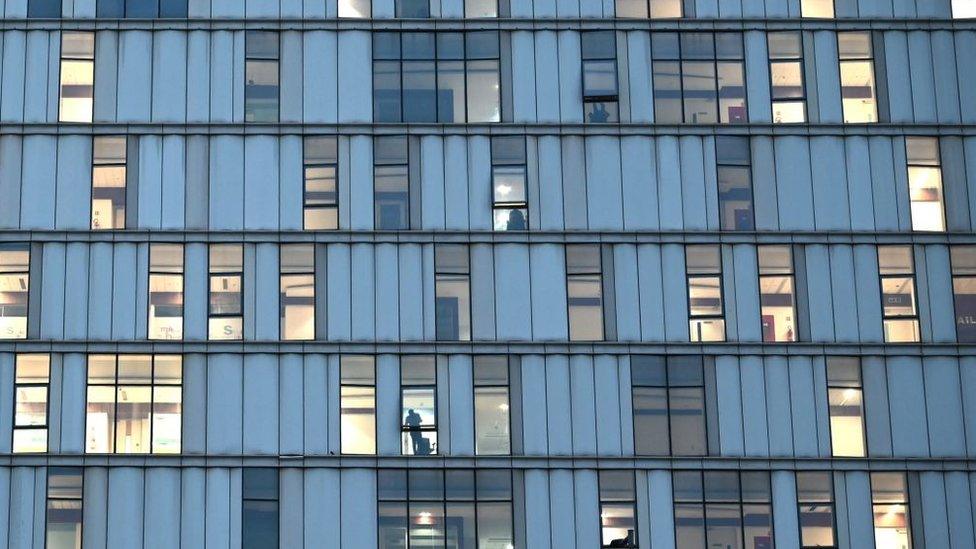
(618, 509)
(492, 426)
(297, 297)
(817, 8)
(261, 76)
(925, 183)
(964, 292)
(845, 399)
(166, 291)
(669, 405)
(448, 77)
(734, 170)
(418, 401)
(789, 96)
(889, 499)
(509, 205)
(321, 199)
(655, 9)
(452, 289)
(134, 404)
(722, 509)
(600, 93)
(963, 9)
(815, 502)
(474, 9)
(703, 264)
(64, 507)
(357, 404)
(356, 9)
(77, 76)
(259, 508)
(776, 293)
(391, 182)
(444, 508)
(413, 9)
(14, 279)
(584, 291)
(896, 266)
(226, 319)
(32, 379)
(108, 183)
(857, 77)
(698, 78)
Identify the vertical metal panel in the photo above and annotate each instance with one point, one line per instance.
(583, 398)
(226, 182)
(358, 509)
(388, 405)
(934, 512)
(830, 193)
(819, 291)
(587, 500)
(455, 182)
(322, 510)
(100, 291)
(123, 289)
(794, 183)
(225, 392)
(363, 292)
(550, 183)
(197, 76)
(217, 509)
(922, 76)
(662, 509)
(149, 182)
(693, 191)
(548, 283)
(858, 160)
(559, 406)
(959, 508)
(36, 81)
(194, 404)
(339, 289)
(747, 311)
(757, 74)
(868, 292)
(169, 76)
(574, 182)
(754, 425)
(432, 181)
(512, 292)
(537, 508)
(675, 292)
(828, 75)
(291, 507)
(669, 183)
(764, 183)
(955, 189)
(534, 405)
(859, 514)
(74, 182)
(905, 387)
(411, 301)
(319, 81)
(625, 285)
(316, 403)
(94, 509)
(290, 182)
(877, 417)
(624, 396)
(222, 73)
(291, 70)
(12, 89)
(125, 507)
(291, 402)
(260, 404)
(4, 504)
(939, 293)
(11, 151)
(607, 398)
(52, 291)
(70, 417)
(779, 413)
(193, 500)
(387, 306)
(943, 403)
(197, 181)
(639, 78)
(570, 78)
(843, 293)
(524, 78)
(944, 73)
(966, 72)
(173, 182)
(479, 183)
(361, 193)
(785, 521)
(7, 361)
(196, 290)
(729, 405)
(640, 207)
(135, 88)
(482, 292)
(355, 66)
(560, 508)
(38, 186)
(260, 182)
(899, 76)
(460, 419)
(603, 192)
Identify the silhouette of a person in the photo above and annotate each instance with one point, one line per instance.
(599, 114)
(412, 421)
(516, 221)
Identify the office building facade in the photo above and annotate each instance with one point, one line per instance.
(487, 274)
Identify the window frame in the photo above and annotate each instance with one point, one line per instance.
(407, 225)
(791, 275)
(432, 387)
(742, 502)
(91, 60)
(313, 165)
(583, 276)
(343, 384)
(46, 427)
(182, 275)
(667, 388)
(245, 498)
(841, 60)
(64, 471)
(832, 504)
(125, 182)
(788, 60)
(954, 270)
(475, 385)
(451, 276)
(648, 7)
(605, 500)
(613, 100)
(282, 276)
(211, 274)
(833, 11)
(4, 272)
(250, 58)
(938, 166)
(727, 162)
(905, 502)
(693, 318)
(857, 388)
(504, 164)
(912, 276)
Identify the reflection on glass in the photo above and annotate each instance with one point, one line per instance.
(358, 9)
(297, 292)
(491, 405)
(776, 293)
(584, 288)
(261, 77)
(321, 199)
(452, 289)
(963, 9)
(815, 499)
(786, 77)
(77, 77)
(64, 508)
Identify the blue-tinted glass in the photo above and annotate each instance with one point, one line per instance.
(721, 486)
(414, 9)
(260, 483)
(391, 484)
(664, 45)
(685, 371)
(697, 45)
(598, 45)
(172, 8)
(482, 45)
(647, 371)
(44, 8)
(459, 484)
(419, 91)
(109, 8)
(494, 484)
(728, 45)
(386, 45)
(450, 45)
(260, 528)
(386, 91)
(687, 486)
(426, 484)
(141, 9)
(418, 45)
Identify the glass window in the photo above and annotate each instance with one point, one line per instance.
(32, 388)
(925, 183)
(964, 291)
(733, 158)
(963, 9)
(141, 9)
(896, 266)
(600, 95)
(786, 75)
(413, 9)
(777, 293)
(457, 508)
(655, 9)
(358, 404)
(226, 288)
(475, 9)
(817, 8)
(618, 509)
(64, 507)
(698, 78)
(355, 9)
(722, 509)
(889, 498)
(845, 399)
(259, 528)
(436, 77)
(584, 291)
(134, 404)
(77, 76)
(261, 76)
(815, 500)
(452, 289)
(44, 9)
(391, 182)
(857, 77)
(418, 401)
(166, 291)
(321, 198)
(669, 405)
(14, 282)
(108, 183)
(706, 318)
(492, 426)
(509, 203)
(297, 297)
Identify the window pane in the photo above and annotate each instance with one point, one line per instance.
(618, 526)
(261, 91)
(585, 294)
(419, 413)
(963, 9)
(509, 184)
(480, 8)
(419, 91)
(133, 409)
(358, 420)
(732, 93)
(491, 409)
(699, 85)
(665, 9)
(925, 191)
(495, 525)
(354, 8)
(167, 420)
(298, 306)
(392, 198)
(426, 524)
(667, 92)
(651, 421)
(460, 526)
(757, 526)
(735, 198)
(63, 523)
(453, 307)
(392, 518)
(260, 524)
(778, 313)
(687, 410)
(857, 91)
(77, 76)
(964, 292)
(689, 526)
(723, 526)
(846, 422)
(100, 420)
(817, 8)
(484, 91)
(415, 9)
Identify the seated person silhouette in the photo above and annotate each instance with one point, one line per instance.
(417, 441)
(600, 114)
(623, 542)
(516, 221)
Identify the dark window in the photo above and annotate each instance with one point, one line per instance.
(261, 76)
(669, 405)
(722, 509)
(600, 95)
(618, 509)
(733, 159)
(845, 400)
(786, 75)
(699, 78)
(44, 9)
(455, 508)
(492, 426)
(391, 183)
(815, 501)
(31, 389)
(436, 77)
(413, 9)
(706, 308)
(142, 9)
(964, 292)
(509, 202)
(64, 507)
(776, 293)
(584, 292)
(896, 266)
(452, 289)
(260, 508)
(418, 403)
(321, 198)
